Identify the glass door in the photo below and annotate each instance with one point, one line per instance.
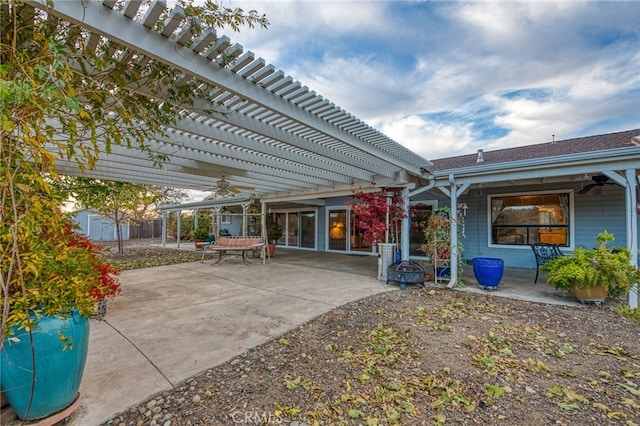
(308, 229)
(338, 230)
(292, 229)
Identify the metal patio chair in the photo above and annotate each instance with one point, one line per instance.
(543, 253)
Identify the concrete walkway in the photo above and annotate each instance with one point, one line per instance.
(173, 322)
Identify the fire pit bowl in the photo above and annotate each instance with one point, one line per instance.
(405, 272)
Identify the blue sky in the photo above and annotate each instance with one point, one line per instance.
(446, 78)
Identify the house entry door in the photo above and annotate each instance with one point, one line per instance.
(338, 231)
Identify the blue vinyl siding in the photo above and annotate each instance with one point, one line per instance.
(592, 213)
(599, 212)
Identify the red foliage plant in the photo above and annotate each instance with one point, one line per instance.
(371, 214)
(108, 286)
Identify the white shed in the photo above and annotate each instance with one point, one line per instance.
(97, 227)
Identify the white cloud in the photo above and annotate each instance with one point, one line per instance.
(429, 139)
(398, 66)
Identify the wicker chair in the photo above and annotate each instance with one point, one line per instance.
(543, 253)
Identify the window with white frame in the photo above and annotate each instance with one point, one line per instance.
(523, 219)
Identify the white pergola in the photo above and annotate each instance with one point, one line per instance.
(268, 131)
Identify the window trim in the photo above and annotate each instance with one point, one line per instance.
(570, 192)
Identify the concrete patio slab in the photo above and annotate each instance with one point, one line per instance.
(173, 322)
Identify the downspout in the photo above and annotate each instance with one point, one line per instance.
(632, 229)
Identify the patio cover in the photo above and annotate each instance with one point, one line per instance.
(270, 132)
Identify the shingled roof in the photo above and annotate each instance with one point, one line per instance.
(550, 149)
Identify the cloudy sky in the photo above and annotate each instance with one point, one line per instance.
(449, 77)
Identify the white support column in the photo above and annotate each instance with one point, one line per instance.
(218, 221)
(244, 220)
(179, 221)
(164, 228)
(405, 228)
(454, 193)
(453, 220)
(263, 220)
(632, 228)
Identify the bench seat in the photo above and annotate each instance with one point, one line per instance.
(234, 246)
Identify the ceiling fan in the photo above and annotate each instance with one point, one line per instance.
(598, 182)
(224, 188)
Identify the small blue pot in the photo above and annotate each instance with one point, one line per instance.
(488, 271)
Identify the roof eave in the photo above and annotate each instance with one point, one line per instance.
(624, 156)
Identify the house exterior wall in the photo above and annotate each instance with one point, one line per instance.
(599, 212)
(591, 213)
(233, 225)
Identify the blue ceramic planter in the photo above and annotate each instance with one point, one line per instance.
(58, 371)
(488, 271)
(443, 272)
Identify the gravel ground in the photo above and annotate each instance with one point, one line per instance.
(417, 357)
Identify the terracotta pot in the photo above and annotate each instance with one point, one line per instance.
(271, 247)
(597, 293)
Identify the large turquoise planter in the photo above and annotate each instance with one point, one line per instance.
(50, 384)
(488, 271)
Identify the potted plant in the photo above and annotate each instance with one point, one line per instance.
(51, 278)
(594, 274)
(49, 293)
(65, 100)
(274, 233)
(199, 237)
